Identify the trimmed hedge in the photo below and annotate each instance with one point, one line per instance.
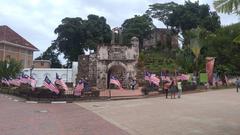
(149, 88)
(41, 93)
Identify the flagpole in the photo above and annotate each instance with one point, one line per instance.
(110, 94)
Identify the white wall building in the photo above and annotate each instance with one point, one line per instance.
(68, 75)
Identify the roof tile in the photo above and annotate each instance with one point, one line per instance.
(9, 35)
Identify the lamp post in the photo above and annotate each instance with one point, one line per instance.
(31, 69)
(7, 65)
(67, 74)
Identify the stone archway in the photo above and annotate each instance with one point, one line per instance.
(118, 70)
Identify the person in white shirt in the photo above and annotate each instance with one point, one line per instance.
(179, 86)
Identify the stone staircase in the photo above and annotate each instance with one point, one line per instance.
(121, 93)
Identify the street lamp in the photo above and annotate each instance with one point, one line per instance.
(67, 74)
(8, 73)
(31, 69)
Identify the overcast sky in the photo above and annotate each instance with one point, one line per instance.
(36, 20)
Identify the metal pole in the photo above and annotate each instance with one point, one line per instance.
(110, 94)
(67, 74)
(32, 67)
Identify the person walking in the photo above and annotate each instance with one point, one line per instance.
(133, 84)
(179, 87)
(173, 88)
(166, 86)
(237, 83)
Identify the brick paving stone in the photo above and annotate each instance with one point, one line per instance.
(206, 113)
(20, 118)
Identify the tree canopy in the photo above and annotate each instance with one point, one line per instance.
(76, 35)
(227, 6)
(138, 26)
(224, 49)
(181, 18)
(51, 55)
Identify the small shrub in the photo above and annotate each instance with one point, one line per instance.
(149, 88)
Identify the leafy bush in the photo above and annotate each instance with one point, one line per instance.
(10, 68)
(149, 88)
(155, 61)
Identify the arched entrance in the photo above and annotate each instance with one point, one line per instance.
(119, 72)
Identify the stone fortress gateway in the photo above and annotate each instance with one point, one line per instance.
(117, 60)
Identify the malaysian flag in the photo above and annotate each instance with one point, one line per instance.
(5, 81)
(165, 78)
(114, 80)
(79, 88)
(33, 82)
(147, 76)
(10, 80)
(13, 81)
(48, 84)
(60, 82)
(154, 79)
(16, 82)
(183, 77)
(25, 79)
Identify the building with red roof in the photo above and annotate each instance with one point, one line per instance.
(14, 46)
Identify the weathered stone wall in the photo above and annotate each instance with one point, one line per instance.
(87, 68)
(160, 35)
(109, 60)
(92, 69)
(117, 56)
(83, 67)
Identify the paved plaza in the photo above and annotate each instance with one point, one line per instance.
(20, 118)
(206, 113)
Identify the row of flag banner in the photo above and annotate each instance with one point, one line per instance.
(153, 79)
(25, 79)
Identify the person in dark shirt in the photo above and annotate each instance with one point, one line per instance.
(86, 86)
(237, 84)
(133, 83)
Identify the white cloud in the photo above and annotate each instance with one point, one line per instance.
(36, 20)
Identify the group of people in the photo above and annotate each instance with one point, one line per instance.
(173, 86)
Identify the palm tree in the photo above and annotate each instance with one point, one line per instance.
(196, 38)
(228, 6)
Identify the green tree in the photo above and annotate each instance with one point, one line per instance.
(76, 35)
(138, 26)
(52, 55)
(185, 60)
(197, 37)
(10, 68)
(182, 18)
(221, 46)
(155, 61)
(228, 6)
